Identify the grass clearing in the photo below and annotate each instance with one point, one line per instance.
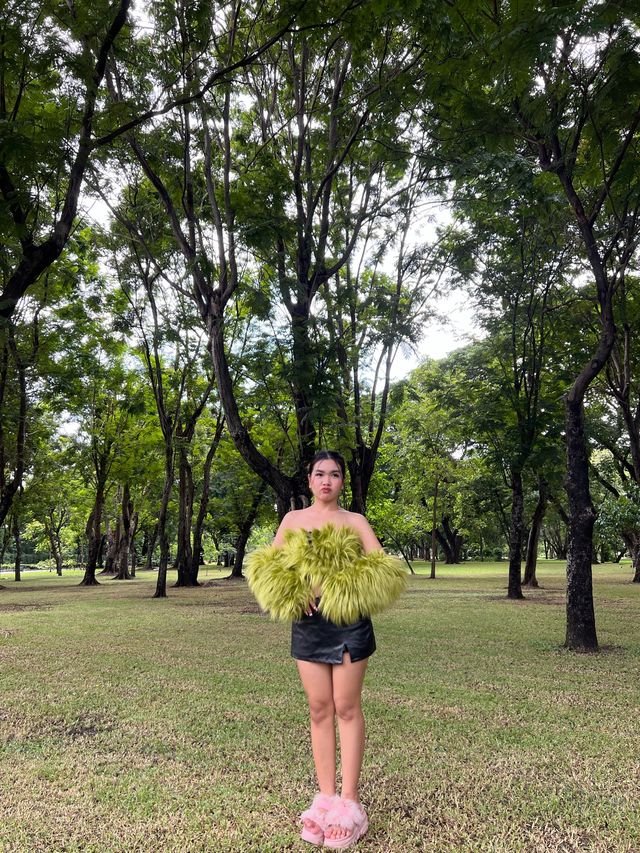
(129, 723)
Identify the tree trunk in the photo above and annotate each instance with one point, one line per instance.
(151, 547)
(581, 622)
(442, 541)
(128, 555)
(358, 501)
(161, 584)
(8, 490)
(53, 535)
(3, 544)
(104, 545)
(245, 532)
(127, 527)
(433, 531)
(112, 541)
(94, 537)
(184, 557)
(515, 536)
(558, 543)
(204, 503)
(133, 551)
(632, 541)
(361, 465)
(15, 528)
(114, 537)
(449, 540)
(534, 534)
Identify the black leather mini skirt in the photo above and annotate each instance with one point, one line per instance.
(316, 639)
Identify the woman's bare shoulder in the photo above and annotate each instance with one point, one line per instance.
(353, 519)
(295, 519)
(362, 527)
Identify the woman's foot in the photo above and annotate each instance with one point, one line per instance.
(336, 833)
(345, 823)
(313, 818)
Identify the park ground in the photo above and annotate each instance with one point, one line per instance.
(129, 723)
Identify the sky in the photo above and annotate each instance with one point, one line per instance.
(452, 329)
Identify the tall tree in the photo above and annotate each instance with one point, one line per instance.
(425, 457)
(50, 102)
(273, 142)
(56, 120)
(371, 315)
(516, 271)
(549, 87)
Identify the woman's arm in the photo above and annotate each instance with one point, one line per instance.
(370, 541)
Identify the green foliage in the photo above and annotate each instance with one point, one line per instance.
(306, 171)
(619, 517)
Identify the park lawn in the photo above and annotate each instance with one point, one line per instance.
(129, 723)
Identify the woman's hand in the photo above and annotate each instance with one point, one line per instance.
(311, 608)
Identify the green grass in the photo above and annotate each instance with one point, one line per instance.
(134, 724)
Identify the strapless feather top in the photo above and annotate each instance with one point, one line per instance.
(354, 584)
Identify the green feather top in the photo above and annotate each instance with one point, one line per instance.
(354, 584)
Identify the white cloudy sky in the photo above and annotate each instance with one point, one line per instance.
(440, 336)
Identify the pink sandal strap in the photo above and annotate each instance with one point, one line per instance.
(318, 809)
(346, 814)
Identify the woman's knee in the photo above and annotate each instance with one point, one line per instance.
(321, 710)
(348, 709)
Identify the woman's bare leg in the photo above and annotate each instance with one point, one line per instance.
(318, 685)
(347, 692)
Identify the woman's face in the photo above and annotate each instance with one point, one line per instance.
(326, 480)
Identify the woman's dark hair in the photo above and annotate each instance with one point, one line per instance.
(329, 454)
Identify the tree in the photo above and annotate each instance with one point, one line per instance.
(219, 201)
(424, 459)
(547, 89)
(166, 332)
(50, 103)
(520, 259)
(238, 500)
(56, 118)
(49, 495)
(370, 316)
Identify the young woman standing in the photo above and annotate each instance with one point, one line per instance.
(327, 573)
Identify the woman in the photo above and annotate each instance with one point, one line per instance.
(326, 572)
